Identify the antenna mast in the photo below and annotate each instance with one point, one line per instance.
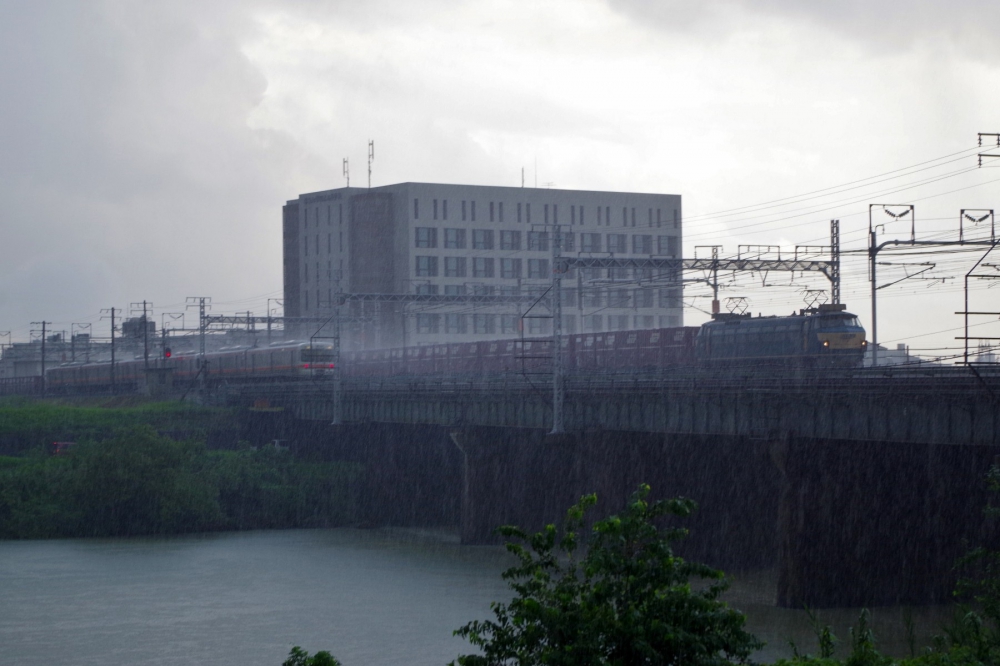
(347, 172)
(371, 158)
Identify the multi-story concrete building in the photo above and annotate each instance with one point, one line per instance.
(423, 238)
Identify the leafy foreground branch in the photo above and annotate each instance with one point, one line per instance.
(627, 600)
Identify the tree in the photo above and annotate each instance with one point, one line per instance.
(627, 601)
(299, 657)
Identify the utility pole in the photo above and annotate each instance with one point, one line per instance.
(873, 250)
(112, 371)
(202, 303)
(145, 338)
(371, 158)
(558, 393)
(835, 261)
(44, 324)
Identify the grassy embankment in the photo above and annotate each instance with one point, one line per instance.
(124, 478)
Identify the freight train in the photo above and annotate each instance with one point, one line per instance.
(825, 337)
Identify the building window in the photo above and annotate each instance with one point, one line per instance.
(341, 234)
(643, 298)
(510, 240)
(454, 290)
(555, 213)
(650, 217)
(642, 321)
(581, 216)
(642, 244)
(416, 209)
(519, 212)
(590, 242)
(329, 243)
(510, 268)
(484, 324)
(305, 265)
(455, 323)
(428, 323)
(633, 216)
(427, 266)
(667, 245)
(435, 209)
(508, 324)
(617, 243)
(307, 299)
(427, 290)
(618, 298)
(482, 239)
(676, 221)
(617, 322)
(444, 209)
(538, 240)
(473, 203)
(659, 218)
(624, 216)
(546, 211)
(598, 216)
(572, 215)
(306, 239)
(425, 237)
(538, 268)
(566, 241)
(593, 323)
(454, 239)
(482, 267)
(491, 212)
(527, 213)
(670, 298)
(569, 298)
(500, 210)
(465, 216)
(537, 325)
(454, 267)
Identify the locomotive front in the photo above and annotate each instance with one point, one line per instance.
(836, 336)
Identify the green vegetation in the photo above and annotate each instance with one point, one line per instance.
(27, 423)
(299, 657)
(137, 482)
(628, 600)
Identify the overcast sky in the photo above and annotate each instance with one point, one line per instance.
(146, 148)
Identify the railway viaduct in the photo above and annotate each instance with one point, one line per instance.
(860, 490)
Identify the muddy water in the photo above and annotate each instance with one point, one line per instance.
(369, 596)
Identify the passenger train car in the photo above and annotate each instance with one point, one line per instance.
(281, 362)
(827, 336)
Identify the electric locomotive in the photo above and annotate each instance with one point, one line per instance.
(827, 336)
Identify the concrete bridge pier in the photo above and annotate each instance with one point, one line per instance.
(523, 477)
(875, 523)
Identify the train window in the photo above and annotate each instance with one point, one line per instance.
(631, 339)
(654, 337)
(317, 355)
(837, 321)
(589, 342)
(493, 347)
(611, 340)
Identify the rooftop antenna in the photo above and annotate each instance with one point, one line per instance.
(371, 158)
(347, 171)
(522, 177)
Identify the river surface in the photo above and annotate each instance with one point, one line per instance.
(370, 597)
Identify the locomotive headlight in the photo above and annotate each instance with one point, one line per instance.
(826, 343)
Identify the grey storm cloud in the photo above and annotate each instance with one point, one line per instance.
(124, 130)
(966, 26)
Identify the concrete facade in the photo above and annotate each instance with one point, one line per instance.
(422, 238)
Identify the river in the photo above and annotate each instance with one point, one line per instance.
(370, 597)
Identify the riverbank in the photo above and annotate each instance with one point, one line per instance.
(146, 469)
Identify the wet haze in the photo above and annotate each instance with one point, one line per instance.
(148, 147)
